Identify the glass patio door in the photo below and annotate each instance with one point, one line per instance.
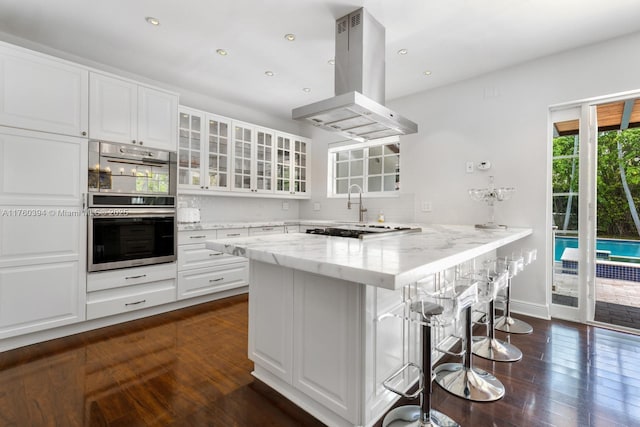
(572, 211)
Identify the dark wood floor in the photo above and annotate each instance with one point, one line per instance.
(190, 368)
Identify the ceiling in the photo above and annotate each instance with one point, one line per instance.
(453, 39)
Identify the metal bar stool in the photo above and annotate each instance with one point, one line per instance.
(506, 323)
(489, 347)
(462, 379)
(422, 415)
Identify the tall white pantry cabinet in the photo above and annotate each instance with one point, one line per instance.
(48, 109)
(43, 159)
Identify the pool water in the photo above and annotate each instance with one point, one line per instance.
(621, 248)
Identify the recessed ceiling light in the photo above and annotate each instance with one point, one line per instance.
(332, 62)
(269, 73)
(403, 52)
(290, 37)
(427, 73)
(221, 52)
(306, 89)
(153, 21)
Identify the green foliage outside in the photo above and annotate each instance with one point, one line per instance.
(614, 216)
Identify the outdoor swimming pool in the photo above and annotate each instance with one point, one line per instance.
(618, 248)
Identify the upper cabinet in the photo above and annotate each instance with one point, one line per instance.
(42, 93)
(291, 164)
(217, 153)
(203, 151)
(126, 112)
(252, 158)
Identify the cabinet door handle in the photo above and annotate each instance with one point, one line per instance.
(84, 133)
(216, 280)
(133, 141)
(136, 277)
(197, 237)
(135, 303)
(267, 228)
(140, 142)
(217, 254)
(233, 234)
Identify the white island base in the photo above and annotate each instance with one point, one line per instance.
(317, 341)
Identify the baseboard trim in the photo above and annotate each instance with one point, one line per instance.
(541, 311)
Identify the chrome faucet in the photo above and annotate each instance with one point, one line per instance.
(361, 209)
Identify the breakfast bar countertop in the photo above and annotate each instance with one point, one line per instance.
(390, 262)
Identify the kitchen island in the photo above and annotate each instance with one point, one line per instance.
(326, 314)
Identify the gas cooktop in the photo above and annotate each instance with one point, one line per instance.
(363, 231)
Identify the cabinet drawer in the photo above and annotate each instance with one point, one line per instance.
(120, 300)
(130, 276)
(262, 231)
(232, 232)
(198, 256)
(195, 236)
(208, 280)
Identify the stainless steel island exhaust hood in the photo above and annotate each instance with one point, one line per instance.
(357, 111)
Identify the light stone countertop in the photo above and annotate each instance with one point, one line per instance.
(389, 262)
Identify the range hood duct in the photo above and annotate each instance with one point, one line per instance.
(357, 111)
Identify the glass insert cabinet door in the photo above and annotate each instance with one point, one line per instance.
(217, 172)
(190, 148)
(264, 152)
(299, 166)
(242, 153)
(283, 164)
(291, 164)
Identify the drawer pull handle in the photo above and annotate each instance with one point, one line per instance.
(136, 303)
(217, 254)
(267, 229)
(136, 277)
(233, 234)
(197, 237)
(216, 280)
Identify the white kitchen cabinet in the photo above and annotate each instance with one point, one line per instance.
(220, 154)
(266, 230)
(253, 156)
(204, 271)
(43, 229)
(326, 349)
(126, 112)
(292, 164)
(43, 93)
(315, 350)
(40, 296)
(229, 275)
(123, 290)
(271, 319)
(203, 151)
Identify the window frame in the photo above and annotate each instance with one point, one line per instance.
(332, 155)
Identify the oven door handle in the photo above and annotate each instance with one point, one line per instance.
(132, 212)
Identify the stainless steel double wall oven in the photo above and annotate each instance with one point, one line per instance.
(132, 206)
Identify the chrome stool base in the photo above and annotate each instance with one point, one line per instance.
(496, 350)
(471, 384)
(409, 415)
(513, 326)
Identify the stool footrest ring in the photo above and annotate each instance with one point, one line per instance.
(386, 385)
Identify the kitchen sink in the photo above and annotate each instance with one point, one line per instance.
(364, 231)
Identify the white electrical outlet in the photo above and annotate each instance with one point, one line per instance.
(316, 206)
(469, 167)
(285, 206)
(426, 207)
